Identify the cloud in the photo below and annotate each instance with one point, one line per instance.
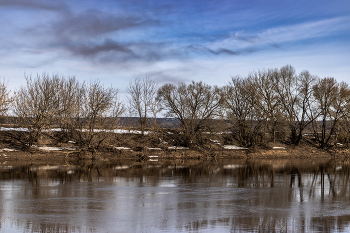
(90, 49)
(307, 30)
(150, 32)
(35, 4)
(219, 51)
(93, 22)
(166, 76)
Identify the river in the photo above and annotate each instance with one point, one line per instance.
(177, 196)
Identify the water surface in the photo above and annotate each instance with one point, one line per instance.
(177, 196)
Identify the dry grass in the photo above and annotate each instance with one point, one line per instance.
(140, 149)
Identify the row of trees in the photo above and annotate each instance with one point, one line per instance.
(78, 109)
(263, 106)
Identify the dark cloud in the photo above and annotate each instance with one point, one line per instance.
(93, 22)
(112, 51)
(35, 4)
(91, 49)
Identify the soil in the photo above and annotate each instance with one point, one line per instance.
(140, 150)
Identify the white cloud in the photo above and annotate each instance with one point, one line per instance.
(289, 33)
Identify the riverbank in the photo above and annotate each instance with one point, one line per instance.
(36, 156)
(150, 148)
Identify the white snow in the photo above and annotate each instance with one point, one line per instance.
(13, 129)
(117, 131)
(7, 149)
(178, 148)
(122, 148)
(233, 166)
(278, 148)
(150, 148)
(121, 167)
(232, 147)
(49, 148)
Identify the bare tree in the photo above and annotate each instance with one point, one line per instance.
(100, 104)
(332, 101)
(36, 104)
(142, 93)
(266, 100)
(5, 99)
(239, 99)
(194, 105)
(295, 96)
(69, 106)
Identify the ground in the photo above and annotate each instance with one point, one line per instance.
(147, 147)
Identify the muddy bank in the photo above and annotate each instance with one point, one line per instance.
(149, 148)
(38, 156)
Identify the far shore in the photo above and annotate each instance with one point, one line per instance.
(39, 155)
(150, 147)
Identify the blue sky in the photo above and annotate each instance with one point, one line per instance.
(172, 41)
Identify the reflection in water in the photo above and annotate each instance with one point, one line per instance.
(205, 196)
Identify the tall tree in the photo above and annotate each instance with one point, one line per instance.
(100, 104)
(36, 104)
(239, 99)
(295, 96)
(194, 105)
(266, 99)
(5, 99)
(142, 94)
(332, 101)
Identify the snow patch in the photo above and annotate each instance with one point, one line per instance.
(233, 166)
(7, 150)
(122, 148)
(150, 148)
(49, 148)
(215, 141)
(178, 148)
(121, 167)
(232, 147)
(278, 148)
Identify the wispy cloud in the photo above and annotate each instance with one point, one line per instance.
(35, 4)
(307, 30)
(276, 37)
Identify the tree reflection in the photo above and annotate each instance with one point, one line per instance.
(240, 195)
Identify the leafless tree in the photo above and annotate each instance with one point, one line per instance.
(295, 98)
(36, 104)
(99, 105)
(5, 99)
(332, 101)
(194, 105)
(266, 100)
(239, 100)
(142, 93)
(70, 95)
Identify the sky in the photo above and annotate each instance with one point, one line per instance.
(171, 41)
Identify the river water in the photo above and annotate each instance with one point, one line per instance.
(177, 196)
